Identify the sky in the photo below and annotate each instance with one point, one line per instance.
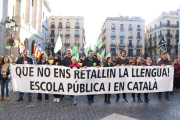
(95, 12)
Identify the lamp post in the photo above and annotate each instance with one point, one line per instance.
(12, 27)
(48, 46)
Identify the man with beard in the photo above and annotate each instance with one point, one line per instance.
(122, 61)
(163, 62)
(90, 61)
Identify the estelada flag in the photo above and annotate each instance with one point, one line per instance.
(38, 50)
(141, 49)
(21, 46)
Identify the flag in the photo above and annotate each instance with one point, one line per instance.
(108, 50)
(98, 54)
(141, 49)
(76, 52)
(87, 50)
(38, 50)
(100, 45)
(162, 44)
(102, 53)
(99, 41)
(108, 55)
(21, 46)
(94, 48)
(58, 45)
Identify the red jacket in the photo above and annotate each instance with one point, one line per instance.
(176, 70)
(75, 65)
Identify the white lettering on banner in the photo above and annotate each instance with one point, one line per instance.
(92, 80)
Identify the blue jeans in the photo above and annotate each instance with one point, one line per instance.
(21, 94)
(166, 93)
(7, 82)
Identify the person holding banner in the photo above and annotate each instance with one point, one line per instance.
(176, 75)
(5, 77)
(42, 61)
(163, 62)
(91, 62)
(74, 64)
(122, 61)
(57, 62)
(107, 96)
(24, 60)
(137, 63)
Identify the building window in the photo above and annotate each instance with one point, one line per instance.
(160, 23)
(77, 24)
(154, 52)
(113, 26)
(121, 27)
(177, 23)
(130, 51)
(138, 27)
(150, 44)
(60, 32)
(176, 52)
(52, 40)
(121, 33)
(160, 32)
(67, 24)
(155, 26)
(67, 31)
(150, 28)
(137, 51)
(113, 41)
(130, 33)
(150, 35)
(138, 34)
(52, 32)
(169, 51)
(121, 41)
(168, 32)
(130, 26)
(76, 40)
(138, 43)
(154, 43)
(168, 22)
(155, 34)
(150, 53)
(52, 25)
(77, 32)
(177, 42)
(113, 33)
(168, 42)
(177, 32)
(130, 42)
(67, 19)
(67, 40)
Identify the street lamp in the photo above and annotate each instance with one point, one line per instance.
(12, 27)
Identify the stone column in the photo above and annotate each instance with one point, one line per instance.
(40, 16)
(28, 11)
(35, 14)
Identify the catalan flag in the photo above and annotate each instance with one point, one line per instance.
(21, 46)
(38, 50)
(141, 49)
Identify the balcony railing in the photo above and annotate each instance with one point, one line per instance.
(150, 39)
(130, 45)
(122, 36)
(154, 47)
(169, 35)
(113, 28)
(130, 28)
(67, 26)
(149, 48)
(138, 29)
(169, 46)
(177, 35)
(77, 35)
(67, 35)
(155, 37)
(121, 28)
(77, 26)
(113, 36)
(104, 38)
(67, 44)
(130, 37)
(77, 44)
(138, 46)
(60, 26)
(60, 35)
(122, 45)
(113, 44)
(52, 26)
(139, 37)
(52, 35)
(159, 36)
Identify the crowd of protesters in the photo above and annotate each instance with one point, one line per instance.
(91, 61)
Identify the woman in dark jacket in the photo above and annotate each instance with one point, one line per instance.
(5, 77)
(176, 75)
(137, 63)
(42, 61)
(57, 62)
(107, 96)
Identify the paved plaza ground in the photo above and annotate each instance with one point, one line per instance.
(65, 110)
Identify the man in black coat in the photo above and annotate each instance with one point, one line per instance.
(90, 61)
(24, 60)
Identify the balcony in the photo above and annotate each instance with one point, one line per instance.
(122, 36)
(138, 29)
(169, 46)
(177, 35)
(155, 37)
(60, 26)
(52, 26)
(113, 36)
(113, 28)
(113, 44)
(77, 26)
(52, 35)
(121, 28)
(130, 37)
(77, 35)
(154, 47)
(104, 46)
(139, 37)
(150, 39)
(130, 45)
(77, 44)
(104, 38)
(122, 45)
(169, 35)
(138, 46)
(159, 36)
(67, 26)
(176, 46)
(67, 35)
(130, 28)
(149, 48)
(67, 44)
(60, 35)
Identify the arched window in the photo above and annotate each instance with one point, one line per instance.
(32, 48)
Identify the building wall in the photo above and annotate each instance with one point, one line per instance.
(72, 29)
